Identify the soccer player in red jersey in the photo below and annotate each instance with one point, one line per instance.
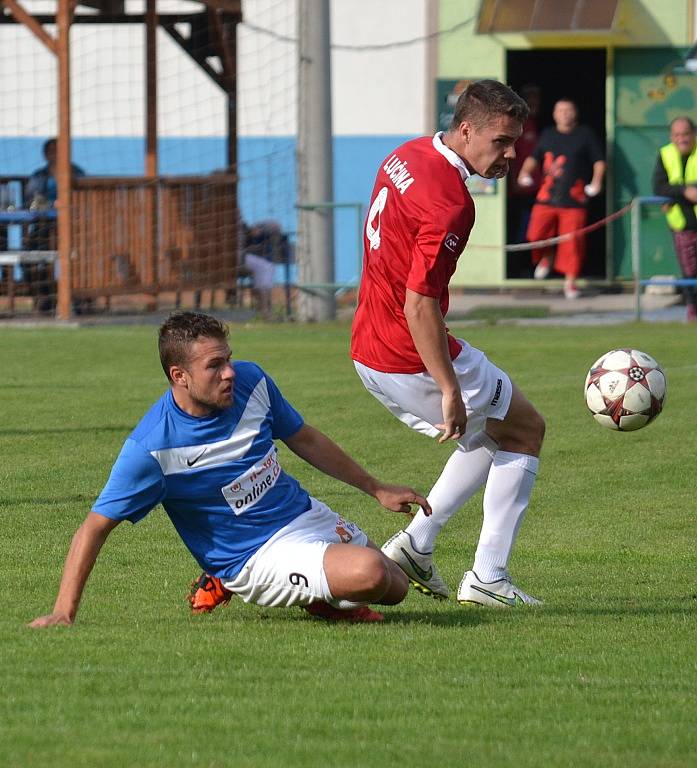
(420, 218)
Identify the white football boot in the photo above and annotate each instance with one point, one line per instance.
(499, 594)
(418, 566)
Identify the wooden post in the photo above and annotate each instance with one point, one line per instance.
(25, 18)
(63, 172)
(151, 250)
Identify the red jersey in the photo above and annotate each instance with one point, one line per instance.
(420, 218)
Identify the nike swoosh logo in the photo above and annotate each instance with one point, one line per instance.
(191, 462)
(425, 575)
(512, 601)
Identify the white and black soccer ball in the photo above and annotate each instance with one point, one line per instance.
(625, 389)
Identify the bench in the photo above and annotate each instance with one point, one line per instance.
(11, 259)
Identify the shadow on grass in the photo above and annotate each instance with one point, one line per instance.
(45, 385)
(54, 501)
(679, 606)
(453, 617)
(460, 616)
(15, 432)
(492, 314)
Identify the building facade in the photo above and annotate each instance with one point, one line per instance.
(622, 62)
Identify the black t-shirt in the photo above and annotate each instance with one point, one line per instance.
(567, 161)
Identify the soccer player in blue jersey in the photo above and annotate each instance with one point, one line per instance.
(206, 452)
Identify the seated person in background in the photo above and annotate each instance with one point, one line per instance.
(264, 245)
(40, 194)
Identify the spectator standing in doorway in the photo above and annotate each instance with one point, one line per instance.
(573, 169)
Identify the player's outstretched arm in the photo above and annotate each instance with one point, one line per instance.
(324, 454)
(85, 546)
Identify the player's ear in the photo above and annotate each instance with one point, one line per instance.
(177, 375)
(465, 131)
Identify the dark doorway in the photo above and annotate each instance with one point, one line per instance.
(579, 75)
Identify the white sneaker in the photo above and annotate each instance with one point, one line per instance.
(571, 291)
(418, 566)
(500, 594)
(542, 269)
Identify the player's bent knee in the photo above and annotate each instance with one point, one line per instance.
(530, 440)
(374, 575)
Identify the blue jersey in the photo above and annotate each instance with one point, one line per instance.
(217, 476)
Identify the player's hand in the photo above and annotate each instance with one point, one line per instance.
(454, 418)
(399, 498)
(52, 620)
(591, 190)
(690, 194)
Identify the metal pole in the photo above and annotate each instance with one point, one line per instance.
(63, 170)
(636, 255)
(314, 156)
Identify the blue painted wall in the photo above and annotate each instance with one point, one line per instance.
(266, 174)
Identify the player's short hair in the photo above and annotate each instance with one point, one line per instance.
(684, 118)
(180, 330)
(485, 100)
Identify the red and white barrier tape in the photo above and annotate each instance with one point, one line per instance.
(559, 238)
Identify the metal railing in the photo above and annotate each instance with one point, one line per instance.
(336, 287)
(639, 282)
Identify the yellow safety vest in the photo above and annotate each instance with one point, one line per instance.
(672, 162)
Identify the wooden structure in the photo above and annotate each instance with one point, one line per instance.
(150, 233)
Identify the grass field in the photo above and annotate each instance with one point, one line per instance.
(605, 674)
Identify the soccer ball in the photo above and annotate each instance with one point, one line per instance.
(625, 389)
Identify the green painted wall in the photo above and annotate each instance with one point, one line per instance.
(464, 54)
(648, 96)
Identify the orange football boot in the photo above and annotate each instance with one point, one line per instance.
(207, 592)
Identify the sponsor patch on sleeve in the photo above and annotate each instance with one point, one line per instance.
(451, 242)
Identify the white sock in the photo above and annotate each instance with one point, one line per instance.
(464, 474)
(511, 480)
(347, 605)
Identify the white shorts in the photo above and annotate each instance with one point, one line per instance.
(262, 271)
(414, 398)
(289, 568)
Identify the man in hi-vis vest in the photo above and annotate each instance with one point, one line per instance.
(675, 176)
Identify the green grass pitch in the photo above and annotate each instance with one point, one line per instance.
(604, 674)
